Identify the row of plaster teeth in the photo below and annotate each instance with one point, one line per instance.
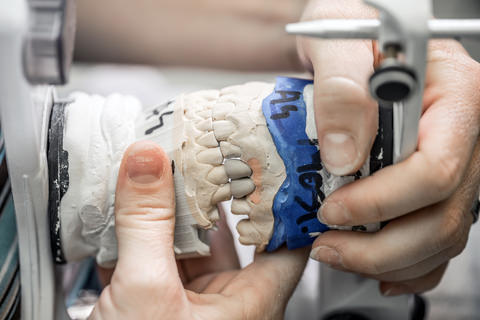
(220, 128)
(230, 175)
(255, 181)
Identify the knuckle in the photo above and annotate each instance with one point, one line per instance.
(375, 268)
(371, 264)
(456, 250)
(377, 212)
(448, 51)
(459, 246)
(477, 71)
(470, 73)
(444, 50)
(347, 256)
(455, 59)
(452, 230)
(429, 286)
(476, 79)
(361, 259)
(446, 176)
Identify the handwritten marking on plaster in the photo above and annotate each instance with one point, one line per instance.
(309, 178)
(160, 120)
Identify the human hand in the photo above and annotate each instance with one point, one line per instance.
(148, 283)
(428, 196)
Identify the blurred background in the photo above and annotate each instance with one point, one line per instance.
(458, 295)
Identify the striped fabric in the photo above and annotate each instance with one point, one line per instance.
(9, 263)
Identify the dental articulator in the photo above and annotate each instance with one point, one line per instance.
(254, 143)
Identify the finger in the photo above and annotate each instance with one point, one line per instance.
(408, 240)
(269, 281)
(423, 267)
(145, 217)
(403, 243)
(422, 284)
(462, 198)
(448, 132)
(346, 116)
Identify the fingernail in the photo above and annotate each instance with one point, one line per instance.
(396, 290)
(333, 213)
(144, 164)
(326, 255)
(339, 153)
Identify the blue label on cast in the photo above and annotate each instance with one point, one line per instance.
(296, 204)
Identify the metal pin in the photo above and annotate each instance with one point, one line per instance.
(369, 28)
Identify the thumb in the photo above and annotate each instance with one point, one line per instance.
(145, 211)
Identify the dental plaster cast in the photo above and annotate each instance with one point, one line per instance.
(223, 144)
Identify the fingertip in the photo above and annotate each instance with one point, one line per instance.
(334, 213)
(339, 153)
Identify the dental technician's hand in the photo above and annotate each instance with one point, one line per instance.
(429, 195)
(148, 283)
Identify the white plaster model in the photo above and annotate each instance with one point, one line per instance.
(220, 149)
